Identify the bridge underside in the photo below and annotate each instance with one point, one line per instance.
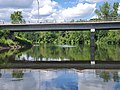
(57, 65)
(61, 26)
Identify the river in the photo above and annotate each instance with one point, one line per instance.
(59, 79)
(62, 53)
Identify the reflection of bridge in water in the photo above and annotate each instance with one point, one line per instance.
(62, 64)
(75, 26)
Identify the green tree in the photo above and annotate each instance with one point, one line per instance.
(104, 11)
(107, 11)
(17, 17)
(114, 12)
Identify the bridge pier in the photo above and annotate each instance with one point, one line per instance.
(92, 46)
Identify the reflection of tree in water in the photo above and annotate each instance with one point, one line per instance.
(10, 55)
(107, 52)
(17, 74)
(48, 51)
(7, 53)
(4, 63)
(108, 76)
(115, 77)
(56, 52)
(6, 56)
(105, 76)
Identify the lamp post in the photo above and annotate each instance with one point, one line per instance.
(38, 10)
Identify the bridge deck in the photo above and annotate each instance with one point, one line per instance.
(103, 25)
(62, 23)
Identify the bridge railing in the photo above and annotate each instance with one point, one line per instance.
(66, 20)
(106, 19)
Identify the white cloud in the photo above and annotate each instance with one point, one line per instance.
(81, 11)
(119, 9)
(9, 6)
(15, 3)
(5, 14)
(46, 9)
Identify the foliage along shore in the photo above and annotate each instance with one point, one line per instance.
(61, 37)
(7, 43)
(111, 37)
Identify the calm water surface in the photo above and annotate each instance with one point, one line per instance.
(62, 79)
(59, 79)
(62, 53)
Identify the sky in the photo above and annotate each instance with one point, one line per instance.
(51, 10)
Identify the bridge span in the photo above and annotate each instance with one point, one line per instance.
(103, 25)
(72, 26)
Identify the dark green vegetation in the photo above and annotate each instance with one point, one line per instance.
(4, 39)
(106, 11)
(108, 37)
(6, 42)
(7, 56)
(58, 52)
(56, 37)
(17, 17)
(72, 37)
(107, 53)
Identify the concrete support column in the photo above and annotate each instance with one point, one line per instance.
(92, 45)
(92, 37)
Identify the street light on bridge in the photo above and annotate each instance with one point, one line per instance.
(38, 10)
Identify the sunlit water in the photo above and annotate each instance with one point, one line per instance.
(62, 79)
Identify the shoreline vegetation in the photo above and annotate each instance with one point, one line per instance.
(6, 42)
(110, 37)
(25, 40)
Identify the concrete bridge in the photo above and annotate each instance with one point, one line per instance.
(104, 25)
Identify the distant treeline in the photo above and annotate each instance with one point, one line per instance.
(72, 37)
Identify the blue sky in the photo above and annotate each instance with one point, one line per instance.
(51, 10)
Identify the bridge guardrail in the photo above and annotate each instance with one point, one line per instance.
(63, 21)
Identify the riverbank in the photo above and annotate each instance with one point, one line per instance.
(10, 47)
(8, 42)
(18, 43)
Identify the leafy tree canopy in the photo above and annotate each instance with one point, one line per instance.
(107, 11)
(17, 17)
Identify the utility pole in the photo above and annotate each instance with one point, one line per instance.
(38, 10)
